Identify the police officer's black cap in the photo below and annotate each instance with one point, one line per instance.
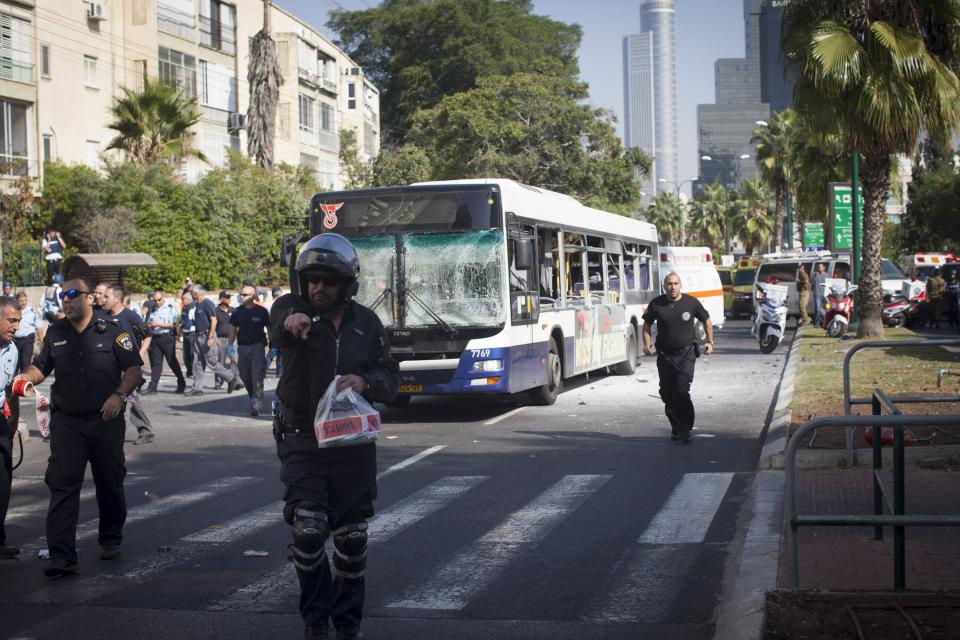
(224, 294)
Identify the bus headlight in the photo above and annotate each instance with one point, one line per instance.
(487, 365)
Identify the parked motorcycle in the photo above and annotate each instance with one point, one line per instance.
(769, 315)
(899, 312)
(837, 310)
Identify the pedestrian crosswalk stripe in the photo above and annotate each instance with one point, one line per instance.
(162, 505)
(274, 590)
(21, 483)
(411, 460)
(40, 507)
(240, 526)
(452, 586)
(689, 511)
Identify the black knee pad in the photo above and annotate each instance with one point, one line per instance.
(350, 546)
(310, 533)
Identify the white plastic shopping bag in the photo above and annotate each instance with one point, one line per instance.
(345, 418)
(24, 389)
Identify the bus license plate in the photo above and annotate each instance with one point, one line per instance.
(410, 388)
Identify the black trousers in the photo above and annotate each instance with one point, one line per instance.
(188, 340)
(342, 482)
(164, 347)
(24, 351)
(676, 376)
(6, 475)
(53, 268)
(73, 443)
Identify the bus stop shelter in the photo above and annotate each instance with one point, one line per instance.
(104, 267)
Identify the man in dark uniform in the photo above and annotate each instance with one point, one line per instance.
(9, 422)
(321, 333)
(97, 367)
(247, 327)
(674, 314)
(129, 322)
(223, 311)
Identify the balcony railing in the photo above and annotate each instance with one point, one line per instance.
(329, 140)
(178, 23)
(19, 71)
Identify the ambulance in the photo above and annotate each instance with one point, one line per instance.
(743, 285)
(698, 277)
(920, 266)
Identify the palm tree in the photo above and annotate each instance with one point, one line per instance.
(754, 219)
(154, 123)
(879, 73)
(773, 159)
(708, 218)
(265, 78)
(818, 158)
(666, 214)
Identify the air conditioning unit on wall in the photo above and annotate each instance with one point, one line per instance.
(236, 121)
(96, 11)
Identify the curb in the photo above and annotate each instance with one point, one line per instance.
(775, 442)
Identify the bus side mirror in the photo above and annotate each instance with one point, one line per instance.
(523, 254)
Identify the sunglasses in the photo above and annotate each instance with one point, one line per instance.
(246, 295)
(319, 278)
(72, 294)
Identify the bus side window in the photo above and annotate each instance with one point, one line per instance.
(524, 296)
(548, 257)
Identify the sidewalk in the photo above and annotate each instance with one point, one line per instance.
(843, 558)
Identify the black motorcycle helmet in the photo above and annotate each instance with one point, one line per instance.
(330, 253)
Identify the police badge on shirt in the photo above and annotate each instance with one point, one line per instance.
(125, 342)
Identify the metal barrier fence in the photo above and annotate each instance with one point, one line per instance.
(899, 519)
(848, 402)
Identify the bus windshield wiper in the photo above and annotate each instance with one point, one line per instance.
(380, 298)
(440, 321)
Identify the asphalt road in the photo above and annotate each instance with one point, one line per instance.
(580, 520)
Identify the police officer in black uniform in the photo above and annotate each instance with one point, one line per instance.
(674, 314)
(97, 366)
(130, 322)
(330, 491)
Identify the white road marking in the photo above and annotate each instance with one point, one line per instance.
(689, 510)
(411, 460)
(21, 483)
(160, 507)
(241, 526)
(277, 589)
(455, 583)
(39, 507)
(493, 421)
(647, 584)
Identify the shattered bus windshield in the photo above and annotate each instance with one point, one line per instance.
(455, 277)
(407, 210)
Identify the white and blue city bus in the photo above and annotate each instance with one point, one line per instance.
(491, 286)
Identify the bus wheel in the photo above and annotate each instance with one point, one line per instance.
(628, 366)
(401, 400)
(547, 394)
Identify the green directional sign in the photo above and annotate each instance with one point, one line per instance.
(841, 216)
(813, 235)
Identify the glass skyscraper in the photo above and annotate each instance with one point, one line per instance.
(658, 37)
(638, 106)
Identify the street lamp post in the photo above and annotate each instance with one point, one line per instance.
(683, 209)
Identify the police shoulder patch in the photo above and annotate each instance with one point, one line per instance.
(125, 342)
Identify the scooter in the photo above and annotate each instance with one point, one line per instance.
(837, 310)
(899, 312)
(770, 315)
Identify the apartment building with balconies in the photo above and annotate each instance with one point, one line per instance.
(64, 62)
(18, 92)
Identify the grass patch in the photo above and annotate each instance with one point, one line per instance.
(897, 371)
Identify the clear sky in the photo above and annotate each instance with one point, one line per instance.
(706, 30)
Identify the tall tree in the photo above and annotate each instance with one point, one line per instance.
(753, 219)
(666, 213)
(881, 72)
(154, 123)
(265, 77)
(418, 51)
(708, 217)
(774, 161)
(536, 130)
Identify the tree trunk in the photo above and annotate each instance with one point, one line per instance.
(781, 197)
(875, 178)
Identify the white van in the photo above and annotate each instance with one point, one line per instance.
(698, 277)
